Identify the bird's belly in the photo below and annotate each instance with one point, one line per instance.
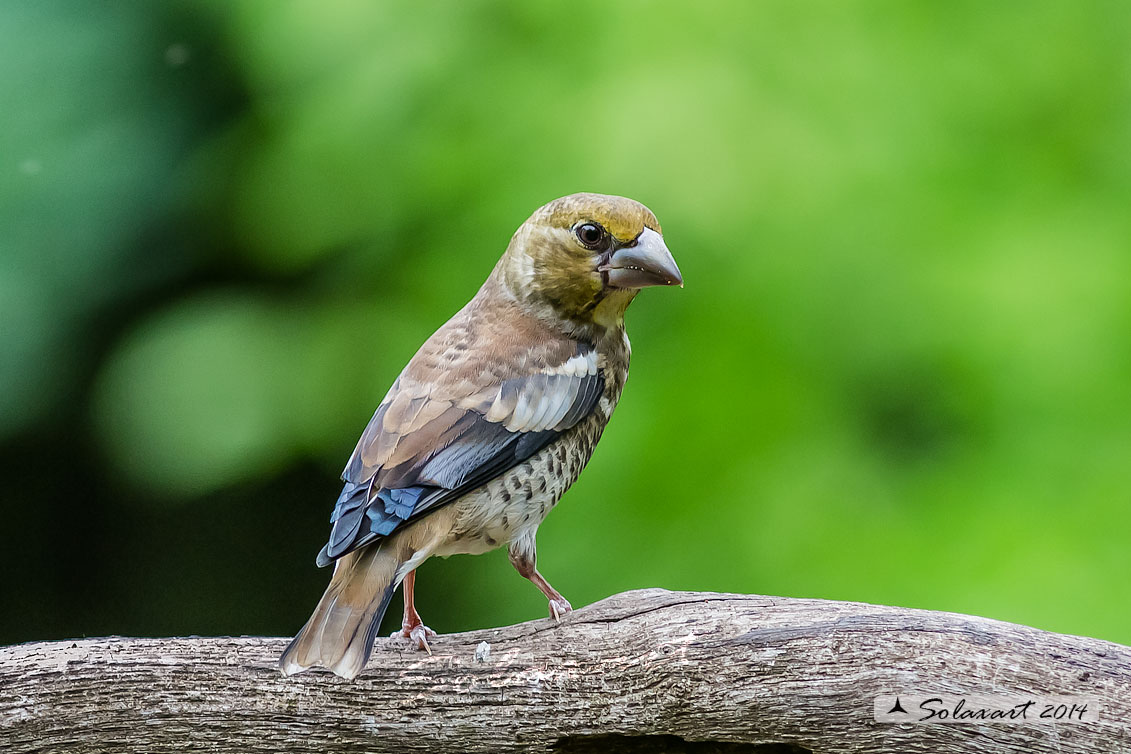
(484, 522)
(511, 506)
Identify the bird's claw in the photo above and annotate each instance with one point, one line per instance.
(418, 634)
(558, 607)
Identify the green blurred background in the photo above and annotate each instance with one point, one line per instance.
(900, 371)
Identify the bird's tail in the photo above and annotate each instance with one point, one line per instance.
(339, 635)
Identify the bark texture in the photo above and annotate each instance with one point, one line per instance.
(643, 671)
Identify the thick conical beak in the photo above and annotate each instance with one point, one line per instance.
(646, 263)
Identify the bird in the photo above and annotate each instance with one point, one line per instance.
(489, 423)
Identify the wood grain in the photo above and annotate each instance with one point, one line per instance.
(643, 671)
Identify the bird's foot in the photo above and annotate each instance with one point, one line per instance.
(559, 606)
(417, 633)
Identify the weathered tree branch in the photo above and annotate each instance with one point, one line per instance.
(642, 671)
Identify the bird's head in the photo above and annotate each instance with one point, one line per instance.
(585, 256)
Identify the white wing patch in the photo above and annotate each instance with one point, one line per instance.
(542, 400)
(578, 366)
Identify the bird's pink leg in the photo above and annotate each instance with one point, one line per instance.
(524, 563)
(412, 627)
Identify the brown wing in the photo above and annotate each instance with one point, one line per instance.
(472, 404)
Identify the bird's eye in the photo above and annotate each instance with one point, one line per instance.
(590, 234)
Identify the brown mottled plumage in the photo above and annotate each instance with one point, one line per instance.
(489, 424)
